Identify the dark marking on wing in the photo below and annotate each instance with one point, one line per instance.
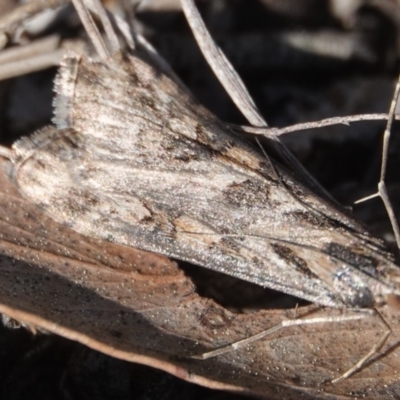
(292, 259)
(200, 134)
(307, 217)
(147, 101)
(73, 204)
(365, 263)
(90, 75)
(207, 138)
(182, 149)
(230, 244)
(66, 144)
(247, 193)
(69, 140)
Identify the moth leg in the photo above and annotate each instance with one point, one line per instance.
(375, 349)
(360, 314)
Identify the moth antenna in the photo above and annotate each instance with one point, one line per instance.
(382, 185)
(382, 190)
(346, 120)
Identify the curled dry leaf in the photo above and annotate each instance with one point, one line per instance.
(140, 307)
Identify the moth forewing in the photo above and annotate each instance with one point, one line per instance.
(136, 160)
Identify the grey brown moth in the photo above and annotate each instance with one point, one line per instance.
(134, 159)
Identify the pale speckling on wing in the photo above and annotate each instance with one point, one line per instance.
(136, 160)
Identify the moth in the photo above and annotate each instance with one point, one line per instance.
(133, 158)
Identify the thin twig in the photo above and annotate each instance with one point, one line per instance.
(35, 56)
(97, 7)
(91, 29)
(31, 64)
(235, 87)
(3, 40)
(124, 28)
(22, 53)
(13, 19)
(6, 152)
(221, 66)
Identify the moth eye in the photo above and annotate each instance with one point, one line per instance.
(353, 290)
(393, 301)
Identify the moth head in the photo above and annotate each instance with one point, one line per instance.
(391, 296)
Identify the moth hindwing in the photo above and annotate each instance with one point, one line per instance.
(134, 159)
